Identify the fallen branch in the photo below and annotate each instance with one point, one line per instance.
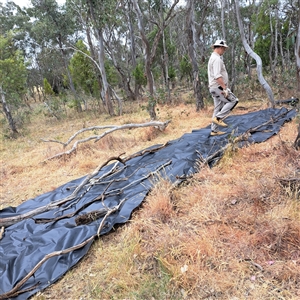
(55, 204)
(160, 125)
(2, 232)
(5, 222)
(16, 290)
(243, 137)
(111, 210)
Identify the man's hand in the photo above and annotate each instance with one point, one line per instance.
(226, 92)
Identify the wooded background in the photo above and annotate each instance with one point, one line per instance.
(97, 55)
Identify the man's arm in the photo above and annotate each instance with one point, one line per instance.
(221, 83)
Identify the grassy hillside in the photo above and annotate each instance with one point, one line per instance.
(230, 232)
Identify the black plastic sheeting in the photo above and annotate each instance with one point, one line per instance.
(27, 242)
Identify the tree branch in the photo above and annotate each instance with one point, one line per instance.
(160, 125)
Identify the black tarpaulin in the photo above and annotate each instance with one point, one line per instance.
(27, 242)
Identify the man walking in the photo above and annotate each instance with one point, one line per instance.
(224, 99)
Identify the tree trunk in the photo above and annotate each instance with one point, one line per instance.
(89, 39)
(297, 51)
(150, 81)
(77, 100)
(7, 113)
(132, 46)
(257, 58)
(274, 45)
(105, 87)
(222, 19)
(101, 60)
(150, 52)
(165, 60)
(191, 33)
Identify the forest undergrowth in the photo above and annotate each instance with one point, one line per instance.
(230, 232)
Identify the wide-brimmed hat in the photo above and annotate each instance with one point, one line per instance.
(220, 43)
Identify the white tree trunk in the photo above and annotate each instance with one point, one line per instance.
(257, 58)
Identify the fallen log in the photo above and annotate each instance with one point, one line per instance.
(160, 125)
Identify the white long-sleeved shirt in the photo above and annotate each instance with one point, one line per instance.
(216, 69)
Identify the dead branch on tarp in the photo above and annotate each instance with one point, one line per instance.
(16, 290)
(110, 211)
(113, 171)
(2, 232)
(88, 180)
(105, 194)
(160, 125)
(243, 137)
(55, 204)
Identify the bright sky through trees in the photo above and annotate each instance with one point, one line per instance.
(23, 3)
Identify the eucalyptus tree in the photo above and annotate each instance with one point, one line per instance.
(254, 55)
(119, 40)
(192, 45)
(160, 20)
(99, 13)
(53, 28)
(80, 11)
(82, 71)
(13, 17)
(266, 29)
(297, 50)
(13, 77)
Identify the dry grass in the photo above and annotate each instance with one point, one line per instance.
(230, 232)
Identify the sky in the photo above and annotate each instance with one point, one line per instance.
(23, 3)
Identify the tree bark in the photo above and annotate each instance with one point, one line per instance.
(89, 39)
(297, 51)
(129, 13)
(150, 52)
(257, 58)
(101, 59)
(7, 112)
(191, 33)
(147, 48)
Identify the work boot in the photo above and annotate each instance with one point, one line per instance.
(219, 122)
(217, 132)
